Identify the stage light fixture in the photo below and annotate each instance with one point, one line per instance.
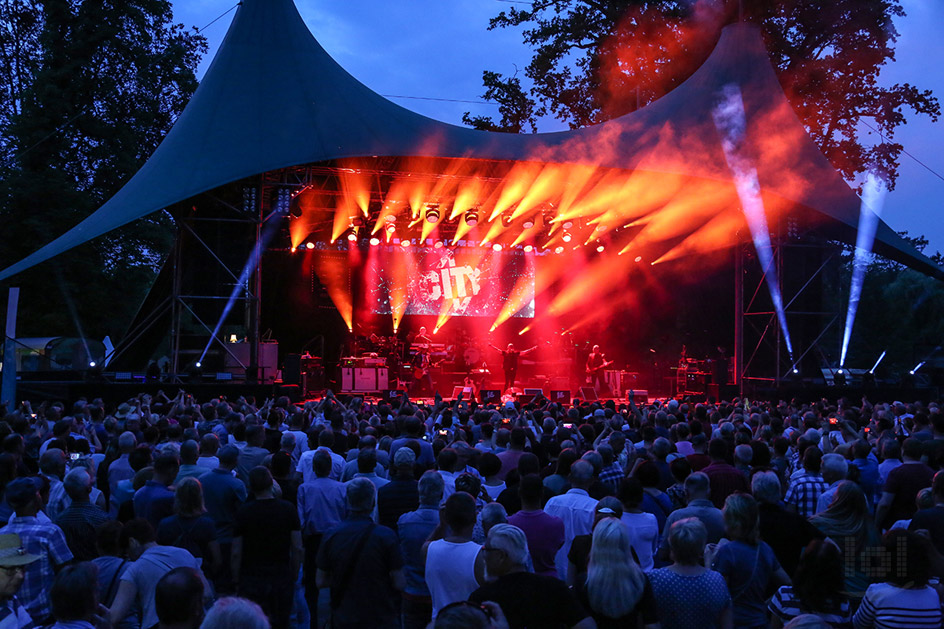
(92, 364)
(496, 247)
(374, 241)
(294, 249)
(309, 245)
(527, 223)
(601, 228)
(567, 237)
(352, 236)
(198, 364)
(638, 259)
(528, 248)
(567, 224)
(600, 248)
(438, 244)
(391, 223)
(547, 216)
(559, 249)
(405, 243)
(506, 220)
(471, 218)
(432, 214)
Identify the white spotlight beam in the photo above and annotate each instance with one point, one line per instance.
(731, 123)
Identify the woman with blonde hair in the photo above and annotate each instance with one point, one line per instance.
(616, 592)
(747, 564)
(190, 528)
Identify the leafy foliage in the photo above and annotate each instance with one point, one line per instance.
(596, 59)
(89, 91)
(901, 311)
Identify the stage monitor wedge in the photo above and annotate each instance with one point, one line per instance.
(589, 394)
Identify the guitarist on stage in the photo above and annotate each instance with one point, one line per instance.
(510, 362)
(422, 366)
(596, 363)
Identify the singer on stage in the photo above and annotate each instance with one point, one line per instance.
(510, 362)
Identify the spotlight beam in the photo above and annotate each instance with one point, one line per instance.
(873, 197)
(242, 284)
(731, 122)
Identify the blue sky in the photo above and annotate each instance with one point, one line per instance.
(437, 49)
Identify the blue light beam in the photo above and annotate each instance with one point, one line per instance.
(731, 123)
(269, 228)
(873, 198)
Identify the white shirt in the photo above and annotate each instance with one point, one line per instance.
(308, 474)
(575, 508)
(644, 536)
(450, 572)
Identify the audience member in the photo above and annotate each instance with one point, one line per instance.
(362, 565)
(178, 599)
(525, 598)
(40, 538)
(688, 595)
(267, 549)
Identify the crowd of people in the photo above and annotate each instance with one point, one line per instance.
(183, 513)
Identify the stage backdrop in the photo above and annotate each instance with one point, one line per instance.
(465, 281)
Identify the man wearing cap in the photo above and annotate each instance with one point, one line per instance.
(40, 538)
(13, 565)
(401, 494)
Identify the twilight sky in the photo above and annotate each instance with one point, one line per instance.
(436, 49)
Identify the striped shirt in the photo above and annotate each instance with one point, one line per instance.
(786, 606)
(887, 606)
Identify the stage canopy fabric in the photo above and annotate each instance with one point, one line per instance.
(273, 98)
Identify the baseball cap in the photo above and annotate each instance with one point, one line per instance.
(20, 491)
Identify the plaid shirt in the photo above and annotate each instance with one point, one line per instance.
(611, 476)
(804, 491)
(47, 541)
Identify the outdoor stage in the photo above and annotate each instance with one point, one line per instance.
(316, 218)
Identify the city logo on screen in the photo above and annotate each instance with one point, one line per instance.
(451, 282)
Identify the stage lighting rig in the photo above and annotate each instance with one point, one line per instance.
(527, 223)
(471, 217)
(506, 220)
(374, 241)
(390, 224)
(567, 237)
(432, 214)
(839, 378)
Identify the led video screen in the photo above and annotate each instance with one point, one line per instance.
(465, 281)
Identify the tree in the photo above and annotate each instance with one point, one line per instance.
(516, 109)
(89, 90)
(596, 59)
